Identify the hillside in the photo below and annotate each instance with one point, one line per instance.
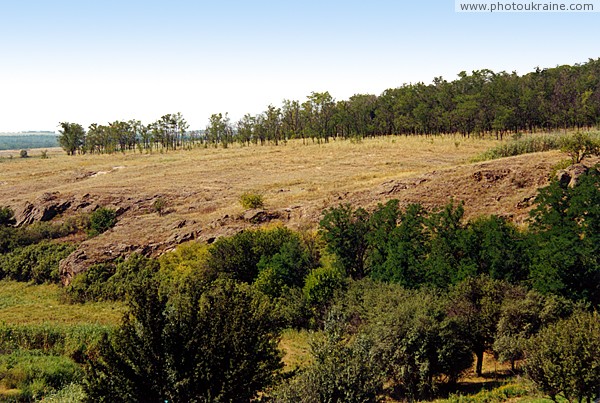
(201, 187)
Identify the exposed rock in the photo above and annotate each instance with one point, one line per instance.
(570, 176)
(491, 175)
(258, 216)
(44, 208)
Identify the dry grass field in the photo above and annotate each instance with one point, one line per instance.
(201, 187)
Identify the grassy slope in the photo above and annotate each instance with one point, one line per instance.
(24, 304)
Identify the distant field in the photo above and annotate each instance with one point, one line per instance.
(19, 141)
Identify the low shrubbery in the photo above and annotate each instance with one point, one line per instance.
(101, 220)
(35, 374)
(578, 146)
(250, 200)
(37, 263)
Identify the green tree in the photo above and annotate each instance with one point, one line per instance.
(345, 232)
(579, 146)
(564, 358)
(101, 220)
(343, 370)
(209, 342)
(566, 226)
(475, 305)
(72, 137)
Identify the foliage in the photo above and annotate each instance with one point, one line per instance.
(580, 145)
(523, 145)
(110, 281)
(521, 317)
(566, 248)
(251, 200)
(23, 154)
(37, 263)
(28, 141)
(475, 305)
(159, 206)
(502, 394)
(343, 370)
(344, 231)
(101, 220)
(7, 216)
(564, 358)
(36, 374)
(71, 137)
(74, 341)
(322, 283)
(239, 256)
(213, 342)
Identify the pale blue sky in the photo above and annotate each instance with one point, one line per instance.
(97, 61)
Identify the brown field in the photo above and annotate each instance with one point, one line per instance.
(201, 187)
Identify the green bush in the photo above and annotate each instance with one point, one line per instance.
(7, 216)
(564, 358)
(101, 220)
(37, 263)
(322, 283)
(239, 255)
(23, 154)
(251, 200)
(580, 145)
(342, 372)
(218, 345)
(36, 374)
(523, 145)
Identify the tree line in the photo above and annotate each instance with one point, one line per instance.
(481, 103)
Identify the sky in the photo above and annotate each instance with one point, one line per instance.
(93, 61)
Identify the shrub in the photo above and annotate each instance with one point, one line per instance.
(36, 374)
(23, 154)
(101, 220)
(219, 346)
(579, 146)
(44, 154)
(37, 263)
(7, 216)
(342, 372)
(239, 255)
(159, 206)
(322, 283)
(251, 200)
(564, 358)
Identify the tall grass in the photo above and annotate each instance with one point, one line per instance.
(528, 144)
(75, 341)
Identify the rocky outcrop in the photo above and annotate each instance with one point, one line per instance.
(570, 176)
(44, 208)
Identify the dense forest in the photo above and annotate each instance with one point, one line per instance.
(480, 103)
(400, 302)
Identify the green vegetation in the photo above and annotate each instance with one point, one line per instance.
(577, 146)
(101, 220)
(397, 303)
(564, 358)
(251, 200)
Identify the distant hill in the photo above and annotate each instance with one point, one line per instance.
(27, 140)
